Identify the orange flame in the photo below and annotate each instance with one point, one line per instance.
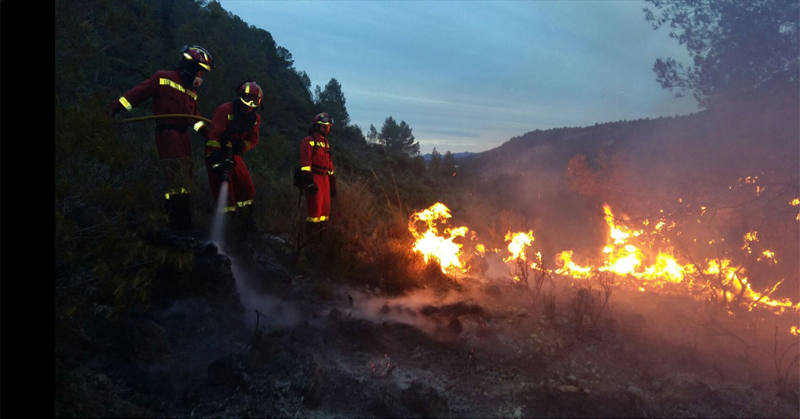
(570, 268)
(518, 243)
(442, 248)
(621, 256)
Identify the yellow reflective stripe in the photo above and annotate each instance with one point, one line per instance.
(125, 103)
(229, 209)
(172, 84)
(172, 192)
(319, 144)
(330, 172)
(312, 143)
(247, 88)
(204, 65)
(199, 125)
(305, 169)
(317, 219)
(230, 117)
(213, 143)
(244, 203)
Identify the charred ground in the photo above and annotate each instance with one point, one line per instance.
(478, 349)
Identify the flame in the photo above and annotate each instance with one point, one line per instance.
(795, 331)
(794, 202)
(618, 233)
(442, 248)
(518, 243)
(624, 255)
(570, 268)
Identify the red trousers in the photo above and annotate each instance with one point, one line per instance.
(319, 204)
(240, 191)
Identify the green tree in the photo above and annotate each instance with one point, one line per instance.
(397, 138)
(436, 162)
(332, 101)
(448, 163)
(737, 47)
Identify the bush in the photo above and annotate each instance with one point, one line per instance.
(108, 209)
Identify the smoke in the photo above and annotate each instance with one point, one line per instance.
(267, 310)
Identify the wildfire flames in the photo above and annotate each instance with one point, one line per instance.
(624, 255)
(443, 248)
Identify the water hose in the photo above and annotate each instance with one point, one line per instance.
(166, 115)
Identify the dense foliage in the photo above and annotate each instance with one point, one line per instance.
(737, 48)
(108, 202)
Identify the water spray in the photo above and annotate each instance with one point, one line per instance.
(218, 225)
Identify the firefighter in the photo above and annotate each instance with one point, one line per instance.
(319, 181)
(174, 92)
(234, 130)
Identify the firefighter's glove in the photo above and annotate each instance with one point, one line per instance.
(333, 185)
(220, 162)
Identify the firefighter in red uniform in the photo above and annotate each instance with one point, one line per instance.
(317, 169)
(234, 130)
(174, 92)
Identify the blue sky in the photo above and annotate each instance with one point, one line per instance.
(469, 75)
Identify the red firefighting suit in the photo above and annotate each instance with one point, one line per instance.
(229, 127)
(315, 157)
(170, 96)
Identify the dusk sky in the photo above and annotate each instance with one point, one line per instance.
(469, 75)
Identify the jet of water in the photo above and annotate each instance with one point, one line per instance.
(218, 225)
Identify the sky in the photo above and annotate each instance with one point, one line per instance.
(470, 75)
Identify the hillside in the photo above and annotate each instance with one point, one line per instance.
(740, 163)
(371, 321)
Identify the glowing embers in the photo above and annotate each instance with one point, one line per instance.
(795, 202)
(768, 256)
(433, 245)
